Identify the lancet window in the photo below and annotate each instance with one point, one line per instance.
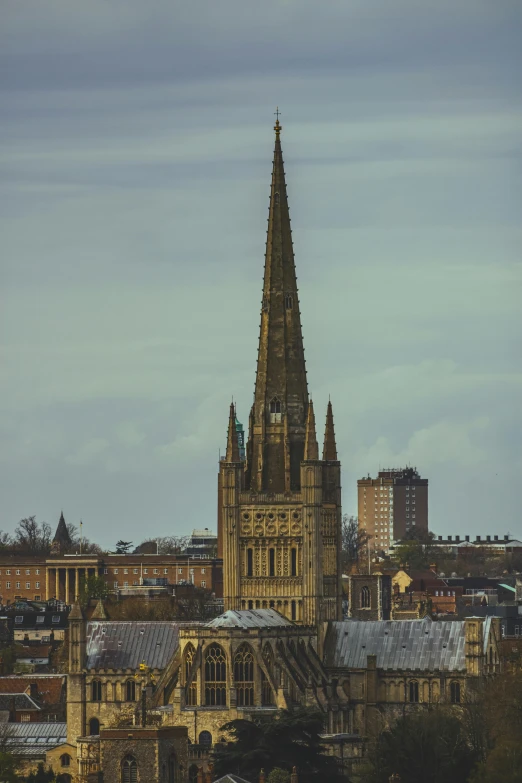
(96, 690)
(130, 690)
(244, 676)
(455, 692)
(215, 676)
(414, 691)
(190, 690)
(365, 598)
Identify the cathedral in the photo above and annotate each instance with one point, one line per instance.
(279, 521)
(282, 640)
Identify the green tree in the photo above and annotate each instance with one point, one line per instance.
(41, 775)
(418, 550)
(279, 775)
(428, 746)
(8, 766)
(290, 739)
(92, 587)
(123, 547)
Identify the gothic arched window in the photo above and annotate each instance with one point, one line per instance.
(293, 554)
(288, 302)
(455, 692)
(293, 612)
(365, 598)
(414, 692)
(190, 689)
(130, 690)
(215, 676)
(250, 562)
(205, 738)
(65, 760)
(244, 676)
(96, 690)
(275, 410)
(271, 562)
(129, 770)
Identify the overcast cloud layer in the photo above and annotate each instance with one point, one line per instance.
(136, 148)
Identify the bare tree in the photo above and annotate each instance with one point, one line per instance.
(354, 542)
(33, 538)
(164, 545)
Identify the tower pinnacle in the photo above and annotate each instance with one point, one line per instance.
(329, 447)
(232, 454)
(311, 449)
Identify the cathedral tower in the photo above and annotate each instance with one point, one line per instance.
(280, 509)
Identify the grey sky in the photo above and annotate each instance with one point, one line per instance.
(136, 147)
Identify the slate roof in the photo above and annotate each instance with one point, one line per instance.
(248, 618)
(421, 645)
(124, 645)
(18, 701)
(33, 739)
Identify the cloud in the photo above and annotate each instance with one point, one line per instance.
(135, 163)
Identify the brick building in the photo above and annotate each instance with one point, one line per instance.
(392, 505)
(59, 576)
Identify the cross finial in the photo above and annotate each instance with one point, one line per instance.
(277, 126)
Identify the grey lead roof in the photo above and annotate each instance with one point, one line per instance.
(124, 645)
(248, 618)
(411, 645)
(33, 738)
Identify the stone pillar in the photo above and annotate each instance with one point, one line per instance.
(57, 583)
(67, 594)
(47, 583)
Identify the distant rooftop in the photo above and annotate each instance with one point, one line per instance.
(248, 618)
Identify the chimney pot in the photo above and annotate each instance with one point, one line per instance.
(457, 538)
(450, 538)
(496, 538)
(467, 538)
(478, 538)
(488, 538)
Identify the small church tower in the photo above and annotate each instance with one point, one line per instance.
(279, 508)
(62, 540)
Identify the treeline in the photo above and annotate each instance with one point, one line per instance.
(35, 539)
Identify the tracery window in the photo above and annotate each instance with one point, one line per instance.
(215, 676)
(365, 598)
(293, 614)
(129, 770)
(267, 695)
(191, 692)
(294, 562)
(244, 676)
(288, 302)
(96, 690)
(250, 562)
(455, 692)
(130, 690)
(414, 692)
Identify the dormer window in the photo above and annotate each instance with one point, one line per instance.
(275, 410)
(288, 302)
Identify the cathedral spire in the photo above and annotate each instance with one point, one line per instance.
(329, 447)
(311, 449)
(232, 441)
(281, 394)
